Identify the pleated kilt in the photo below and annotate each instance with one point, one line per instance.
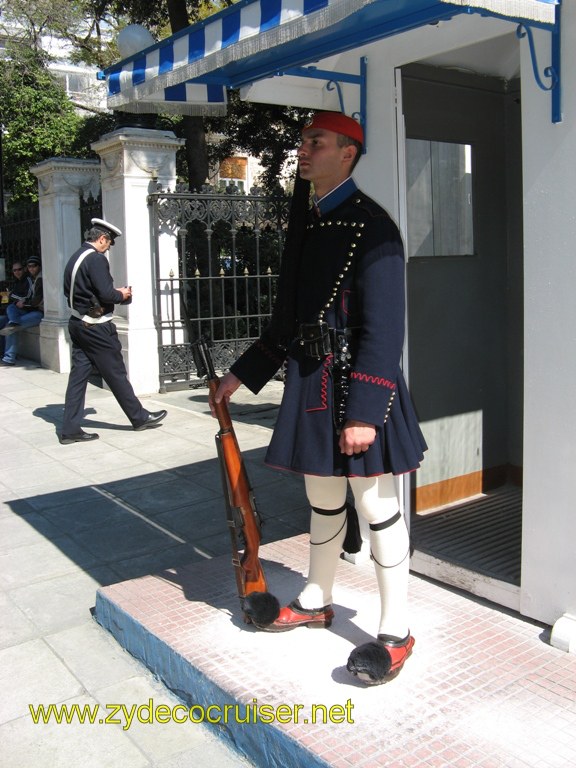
(305, 438)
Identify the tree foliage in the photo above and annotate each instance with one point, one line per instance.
(267, 132)
(86, 26)
(38, 121)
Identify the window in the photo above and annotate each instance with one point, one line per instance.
(233, 173)
(439, 198)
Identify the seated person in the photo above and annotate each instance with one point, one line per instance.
(24, 313)
(20, 290)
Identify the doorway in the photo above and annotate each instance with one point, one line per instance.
(464, 292)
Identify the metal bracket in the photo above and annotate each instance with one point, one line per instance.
(525, 29)
(553, 71)
(334, 81)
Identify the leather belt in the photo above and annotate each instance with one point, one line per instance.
(319, 340)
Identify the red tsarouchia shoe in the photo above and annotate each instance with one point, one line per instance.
(381, 660)
(294, 615)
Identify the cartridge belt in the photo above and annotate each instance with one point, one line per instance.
(319, 340)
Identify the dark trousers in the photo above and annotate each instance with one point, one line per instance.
(97, 346)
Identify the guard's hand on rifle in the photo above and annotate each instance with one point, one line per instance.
(356, 437)
(226, 388)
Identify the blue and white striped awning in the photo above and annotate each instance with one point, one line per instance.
(190, 71)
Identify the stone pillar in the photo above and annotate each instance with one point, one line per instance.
(61, 182)
(133, 162)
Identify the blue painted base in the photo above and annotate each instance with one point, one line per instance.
(264, 744)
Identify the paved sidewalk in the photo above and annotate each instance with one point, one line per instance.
(73, 518)
(134, 524)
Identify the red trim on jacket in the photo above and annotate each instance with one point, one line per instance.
(368, 379)
(323, 386)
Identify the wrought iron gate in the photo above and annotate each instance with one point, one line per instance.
(216, 259)
(20, 233)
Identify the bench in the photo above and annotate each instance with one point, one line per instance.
(29, 344)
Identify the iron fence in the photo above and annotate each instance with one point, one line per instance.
(89, 209)
(20, 233)
(20, 229)
(216, 259)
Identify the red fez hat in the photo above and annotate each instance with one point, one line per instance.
(339, 123)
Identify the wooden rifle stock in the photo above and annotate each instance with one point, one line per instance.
(242, 514)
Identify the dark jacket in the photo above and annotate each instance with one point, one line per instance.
(36, 300)
(351, 275)
(93, 284)
(21, 289)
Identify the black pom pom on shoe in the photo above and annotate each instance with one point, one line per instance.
(381, 660)
(261, 608)
(370, 662)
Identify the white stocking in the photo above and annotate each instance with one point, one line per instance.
(327, 532)
(377, 502)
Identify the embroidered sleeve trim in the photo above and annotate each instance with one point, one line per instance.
(378, 380)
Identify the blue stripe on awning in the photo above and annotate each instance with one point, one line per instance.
(114, 83)
(314, 5)
(270, 14)
(196, 45)
(139, 71)
(175, 92)
(216, 94)
(166, 63)
(231, 28)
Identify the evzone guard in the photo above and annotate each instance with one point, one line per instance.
(346, 417)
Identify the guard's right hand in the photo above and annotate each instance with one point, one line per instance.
(229, 383)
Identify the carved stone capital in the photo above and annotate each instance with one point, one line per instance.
(65, 176)
(137, 151)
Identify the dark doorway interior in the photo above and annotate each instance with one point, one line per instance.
(465, 314)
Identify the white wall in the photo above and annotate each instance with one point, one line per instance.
(549, 522)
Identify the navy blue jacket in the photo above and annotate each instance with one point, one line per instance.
(93, 282)
(351, 275)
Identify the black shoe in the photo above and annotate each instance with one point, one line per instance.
(378, 662)
(7, 362)
(9, 329)
(81, 437)
(152, 420)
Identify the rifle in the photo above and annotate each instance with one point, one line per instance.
(244, 522)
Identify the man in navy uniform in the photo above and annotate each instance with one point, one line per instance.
(346, 416)
(91, 295)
